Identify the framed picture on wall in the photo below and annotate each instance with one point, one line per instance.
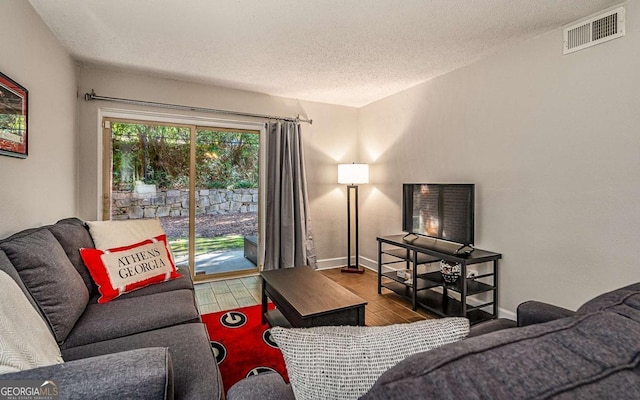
(13, 118)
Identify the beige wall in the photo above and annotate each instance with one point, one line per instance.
(33, 57)
(329, 140)
(552, 143)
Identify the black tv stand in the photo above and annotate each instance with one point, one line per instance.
(431, 292)
(464, 251)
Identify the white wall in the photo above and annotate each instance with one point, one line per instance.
(330, 139)
(552, 143)
(33, 57)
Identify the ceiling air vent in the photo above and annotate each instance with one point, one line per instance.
(596, 30)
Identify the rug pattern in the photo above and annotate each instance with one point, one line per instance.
(243, 345)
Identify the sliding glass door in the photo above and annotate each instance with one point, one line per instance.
(202, 183)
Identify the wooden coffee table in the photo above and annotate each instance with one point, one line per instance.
(306, 298)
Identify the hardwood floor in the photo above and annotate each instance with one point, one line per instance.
(382, 309)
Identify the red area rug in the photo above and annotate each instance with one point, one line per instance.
(243, 345)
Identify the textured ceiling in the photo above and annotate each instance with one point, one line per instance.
(348, 52)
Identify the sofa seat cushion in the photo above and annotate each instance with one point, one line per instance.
(194, 366)
(73, 235)
(50, 277)
(565, 358)
(129, 316)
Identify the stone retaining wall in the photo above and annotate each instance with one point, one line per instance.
(175, 203)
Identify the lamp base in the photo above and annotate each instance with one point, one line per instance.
(354, 269)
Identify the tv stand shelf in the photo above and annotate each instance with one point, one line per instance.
(432, 292)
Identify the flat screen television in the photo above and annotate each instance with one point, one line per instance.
(439, 211)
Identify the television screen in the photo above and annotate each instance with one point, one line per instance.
(441, 211)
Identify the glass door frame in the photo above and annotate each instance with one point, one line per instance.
(106, 117)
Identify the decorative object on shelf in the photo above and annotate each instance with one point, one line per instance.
(352, 175)
(450, 271)
(13, 118)
(407, 275)
(403, 273)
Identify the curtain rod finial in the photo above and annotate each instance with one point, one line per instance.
(300, 119)
(89, 96)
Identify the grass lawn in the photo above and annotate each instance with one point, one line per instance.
(180, 246)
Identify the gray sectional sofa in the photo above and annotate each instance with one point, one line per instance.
(147, 344)
(593, 353)
(151, 344)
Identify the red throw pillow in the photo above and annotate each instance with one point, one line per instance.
(124, 269)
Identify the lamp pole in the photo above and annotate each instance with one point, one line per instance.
(352, 175)
(352, 189)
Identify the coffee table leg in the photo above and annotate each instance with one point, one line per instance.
(264, 302)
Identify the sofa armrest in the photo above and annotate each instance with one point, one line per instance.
(269, 386)
(136, 374)
(536, 312)
(491, 326)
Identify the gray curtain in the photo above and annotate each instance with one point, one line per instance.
(288, 241)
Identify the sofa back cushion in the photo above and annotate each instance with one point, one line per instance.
(25, 339)
(9, 269)
(571, 357)
(50, 277)
(609, 299)
(74, 235)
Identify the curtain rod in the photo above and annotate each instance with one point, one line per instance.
(93, 96)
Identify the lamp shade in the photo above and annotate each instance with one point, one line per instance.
(353, 174)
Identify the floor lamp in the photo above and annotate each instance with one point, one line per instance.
(352, 175)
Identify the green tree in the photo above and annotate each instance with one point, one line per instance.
(158, 154)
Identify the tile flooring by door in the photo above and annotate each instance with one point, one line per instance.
(382, 309)
(228, 294)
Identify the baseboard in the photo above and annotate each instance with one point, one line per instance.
(507, 314)
(339, 262)
(369, 264)
(330, 263)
